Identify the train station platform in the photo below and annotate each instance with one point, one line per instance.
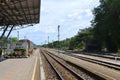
(21, 68)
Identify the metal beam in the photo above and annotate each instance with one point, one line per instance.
(3, 2)
(29, 11)
(24, 12)
(34, 9)
(22, 21)
(19, 12)
(3, 32)
(13, 12)
(8, 17)
(9, 32)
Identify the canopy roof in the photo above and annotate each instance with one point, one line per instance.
(19, 12)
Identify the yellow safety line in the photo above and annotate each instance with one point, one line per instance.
(33, 76)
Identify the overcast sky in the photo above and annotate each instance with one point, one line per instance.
(71, 15)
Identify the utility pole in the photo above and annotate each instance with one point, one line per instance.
(58, 37)
(45, 44)
(52, 44)
(10, 42)
(18, 34)
(48, 41)
(41, 43)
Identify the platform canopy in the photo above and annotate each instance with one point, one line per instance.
(19, 13)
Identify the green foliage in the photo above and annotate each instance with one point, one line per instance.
(2, 40)
(81, 45)
(72, 43)
(106, 24)
(61, 44)
(15, 39)
(20, 49)
(79, 41)
(118, 53)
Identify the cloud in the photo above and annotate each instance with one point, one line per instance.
(75, 15)
(48, 29)
(71, 15)
(80, 14)
(44, 11)
(88, 12)
(36, 28)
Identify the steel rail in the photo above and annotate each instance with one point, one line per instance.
(110, 65)
(79, 77)
(58, 74)
(96, 76)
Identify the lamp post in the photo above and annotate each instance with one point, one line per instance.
(48, 41)
(18, 34)
(45, 43)
(58, 37)
(52, 44)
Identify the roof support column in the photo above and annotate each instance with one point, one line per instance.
(10, 32)
(5, 40)
(4, 32)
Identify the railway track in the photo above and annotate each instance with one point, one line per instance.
(113, 57)
(104, 63)
(107, 64)
(77, 71)
(50, 71)
(64, 72)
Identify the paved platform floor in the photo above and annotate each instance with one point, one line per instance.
(17, 69)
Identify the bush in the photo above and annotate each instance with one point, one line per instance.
(22, 50)
(16, 49)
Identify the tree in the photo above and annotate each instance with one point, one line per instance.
(15, 39)
(81, 39)
(106, 24)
